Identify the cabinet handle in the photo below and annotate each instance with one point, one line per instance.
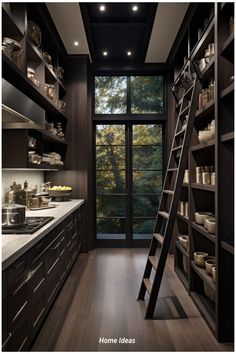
(8, 337)
(56, 247)
(19, 264)
(35, 270)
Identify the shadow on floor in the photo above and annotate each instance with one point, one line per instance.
(169, 308)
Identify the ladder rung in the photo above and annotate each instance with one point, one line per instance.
(167, 191)
(181, 132)
(147, 284)
(159, 238)
(184, 110)
(154, 261)
(164, 214)
(189, 90)
(177, 148)
(172, 169)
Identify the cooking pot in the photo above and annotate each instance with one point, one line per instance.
(13, 215)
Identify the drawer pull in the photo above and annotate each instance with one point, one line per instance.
(39, 316)
(8, 337)
(19, 312)
(19, 264)
(56, 247)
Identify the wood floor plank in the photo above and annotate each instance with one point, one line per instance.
(99, 300)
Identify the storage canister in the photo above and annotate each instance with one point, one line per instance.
(213, 178)
(206, 178)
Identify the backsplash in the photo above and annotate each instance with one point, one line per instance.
(8, 177)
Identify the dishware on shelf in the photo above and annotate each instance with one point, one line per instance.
(184, 241)
(50, 90)
(202, 64)
(208, 217)
(211, 48)
(199, 259)
(32, 142)
(34, 158)
(60, 72)
(213, 178)
(201, 216)
(31, 76)
(11, 47)
(213, 271)
(186, 176)
(204, 136)
(62, 105)
(211, 225)
(34, 33)
(47, 58)
(209, 263)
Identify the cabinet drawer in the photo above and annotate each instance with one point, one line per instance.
(16, 272)
(19, 339)
(37, 253)
(38, 311)
(37, 281)
(52, 256)
(18, 305)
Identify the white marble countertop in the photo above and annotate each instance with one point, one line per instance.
(14, 246)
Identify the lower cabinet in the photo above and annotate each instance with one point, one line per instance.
(31, 283)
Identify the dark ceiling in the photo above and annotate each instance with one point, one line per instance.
(117, 30)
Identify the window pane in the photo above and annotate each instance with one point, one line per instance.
(143, 228)
(147, 134)
(110, 206)
(110, 157)
(110, 182)
(145, 205)
(110, 94)
(146, 94)
(111, 229)
(147, 182)
(147, 158)
(110, 134)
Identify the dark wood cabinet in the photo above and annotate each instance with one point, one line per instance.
(31, 283)
(210, 24)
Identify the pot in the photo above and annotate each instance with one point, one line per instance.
(13, 215)
(211, 225)
(199, 259)
(209, 264)
(201, 216)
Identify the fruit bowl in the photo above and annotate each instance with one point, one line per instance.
(59, 193)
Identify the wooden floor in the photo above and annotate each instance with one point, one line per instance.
(98, 301)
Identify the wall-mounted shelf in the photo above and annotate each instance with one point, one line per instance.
(203, 187)
(227, 50)
(203, 231)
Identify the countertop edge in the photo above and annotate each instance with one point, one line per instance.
(45, 230)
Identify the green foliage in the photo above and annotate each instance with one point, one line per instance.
(110, 177)
(146, 94)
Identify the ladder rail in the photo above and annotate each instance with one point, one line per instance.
(158, 263)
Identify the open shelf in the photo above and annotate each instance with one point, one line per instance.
(205, 307)
(182, 277)
(182, 217)
(11, 24)
(203, 275)
(181, 248)
(20, 81)
(229, 247)
(204, 40)
(49, 137)
(208, 108)
(227, 137)
(201, 229)
(204, 187)
(227, 50)
(227, 91)
(208, 71)
(208, 145)
(44, 166)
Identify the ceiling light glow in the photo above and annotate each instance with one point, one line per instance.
(105, 53)
(135, 8)
(76, 43)
(129, 53)
(102, 8)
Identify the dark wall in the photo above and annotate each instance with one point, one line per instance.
(78, 161)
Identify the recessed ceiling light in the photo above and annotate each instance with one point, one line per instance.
(76, 43)
(102, 8)
(129, 53)
(105, 53)
(135, 8)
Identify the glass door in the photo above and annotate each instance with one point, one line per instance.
(128, 182)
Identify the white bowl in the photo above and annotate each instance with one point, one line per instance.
(211, 225)
(208, 217)
(201, 216)
(184, 240)
(204, 136)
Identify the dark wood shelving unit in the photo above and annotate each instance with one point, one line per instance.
(182, 217)
(208, 145)
(203, 231)
(227, 50)
(15, 18)
(181, 248)
(203, 187)
(228, 137)
(218, 152)
(227, 91)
